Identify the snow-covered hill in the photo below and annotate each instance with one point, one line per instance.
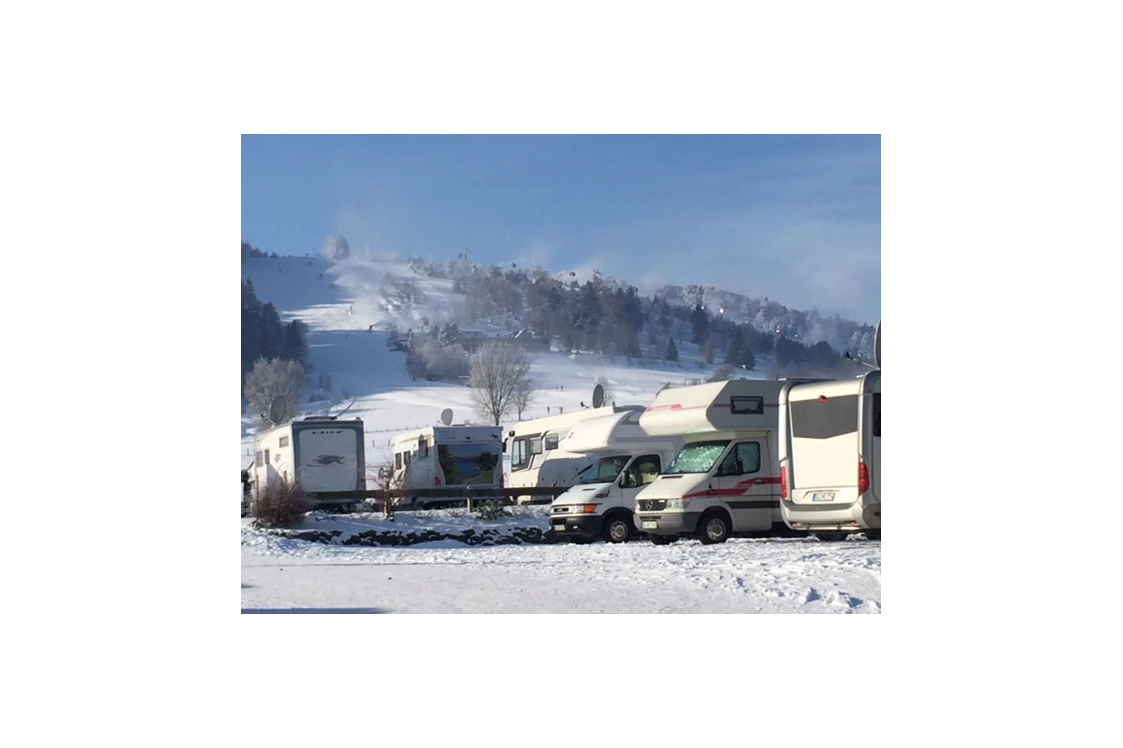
(348, 307)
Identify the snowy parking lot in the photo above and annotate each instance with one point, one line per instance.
(740, 576)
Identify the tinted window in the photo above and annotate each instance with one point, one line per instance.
(519, 456)
(468, 463)
(744, 459)
(551, 441)
(740, 405)
(643, 470)
(877, 414)
(815, 419)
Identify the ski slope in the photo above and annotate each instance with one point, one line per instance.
(340, 302)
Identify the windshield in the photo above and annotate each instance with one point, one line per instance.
(697, 458)
(468, 463)
(606, 470)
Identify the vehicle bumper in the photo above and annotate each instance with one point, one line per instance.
(668, 523)
(578, 525)
(855, 517)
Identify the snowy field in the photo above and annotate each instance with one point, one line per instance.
(739, 576)
(287, 575)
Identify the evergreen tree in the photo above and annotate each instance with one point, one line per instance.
(672, 351)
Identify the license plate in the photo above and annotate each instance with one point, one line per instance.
(823, 496)
(650, 525)
(559, 528)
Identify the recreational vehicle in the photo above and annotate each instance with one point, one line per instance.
(536, 455)
(452, 456)
(725, 479)
(602, 504)
(830, 457)
(325, 454)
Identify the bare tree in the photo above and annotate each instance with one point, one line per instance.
(721, 373)
(497, 372)
(270, 379)
(383, 477)
(523, 396)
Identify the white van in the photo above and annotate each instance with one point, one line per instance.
(536, 455)
(830, 457)
(455, 456)
(726, 478)
(602, 504)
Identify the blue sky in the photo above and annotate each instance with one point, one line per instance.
(793, 218)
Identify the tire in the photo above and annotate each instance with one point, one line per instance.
(714, 528)
(831, 537)
(873, 534)
(617, 528)
(663, 539)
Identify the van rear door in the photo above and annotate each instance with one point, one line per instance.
(327, 458)
(824, 448)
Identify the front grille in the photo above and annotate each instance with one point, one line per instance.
(652, 505)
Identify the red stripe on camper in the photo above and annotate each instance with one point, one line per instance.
(737, 490)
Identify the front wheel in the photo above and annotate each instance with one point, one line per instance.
(663, 539)
(832, 537)
(713, 529)
(617, 529)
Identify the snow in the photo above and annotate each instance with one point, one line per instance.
(289, 575)
(739, 576)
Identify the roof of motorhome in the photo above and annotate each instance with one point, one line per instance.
(833, 387)
(614, 432)
(734, 405)
(541, 425)
(444, 432)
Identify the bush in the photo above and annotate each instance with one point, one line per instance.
(492, 510)
(281, 504)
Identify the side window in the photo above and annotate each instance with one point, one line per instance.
(518, 454)
(406, 458)
(284, 441)
(267, 457)
(742, 459)
(536, 445)
(749, 456)
(550, 442)
(877, 414)
(397, 460)
(259, 459)
(643, 470)
(741, 405)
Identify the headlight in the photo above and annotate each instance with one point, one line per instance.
(679, 504)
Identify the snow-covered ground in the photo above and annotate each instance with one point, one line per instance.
(447, 576)
(340, 302)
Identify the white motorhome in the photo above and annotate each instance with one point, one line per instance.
(325, 454)
(726, 478)
(830, 457)
(536, 455)
(453, 456)
(602, 504)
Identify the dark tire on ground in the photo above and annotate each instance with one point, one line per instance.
(831, 537)
(663, 539)
(873, 534)
(617, 528)
(714, 527)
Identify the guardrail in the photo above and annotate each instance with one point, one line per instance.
(538, 494)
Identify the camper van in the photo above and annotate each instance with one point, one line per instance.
(726, 478)
(602, 504)
(325, 454)
(536, 457)
(453, 456)
(830, 457)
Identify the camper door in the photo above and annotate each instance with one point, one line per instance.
(743, 481)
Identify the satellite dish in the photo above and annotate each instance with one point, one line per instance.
(277, 409)
(446, 416)
(877, 345)
(598, 396)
